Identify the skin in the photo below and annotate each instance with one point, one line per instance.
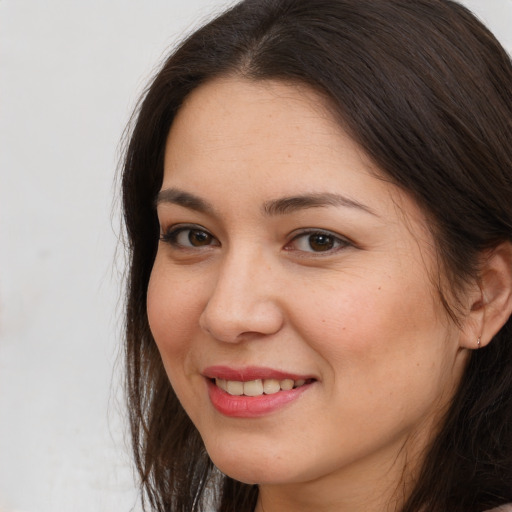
(362, 317)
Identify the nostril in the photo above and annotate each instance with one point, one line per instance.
(241, 320)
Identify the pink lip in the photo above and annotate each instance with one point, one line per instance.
(247, 373)
(247, 406)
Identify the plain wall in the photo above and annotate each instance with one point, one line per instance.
(70, 73)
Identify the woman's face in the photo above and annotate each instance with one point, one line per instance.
(291, 297)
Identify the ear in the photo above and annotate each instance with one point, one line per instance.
(491, 300)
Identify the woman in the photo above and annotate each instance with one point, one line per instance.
(317, 201)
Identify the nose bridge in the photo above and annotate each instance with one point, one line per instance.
(243, 299)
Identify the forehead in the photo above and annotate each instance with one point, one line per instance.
(240, 137)
(262, 127)
(272, 101)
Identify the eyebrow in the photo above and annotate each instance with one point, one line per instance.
(281, 206)
(185, 199)
(287, 205)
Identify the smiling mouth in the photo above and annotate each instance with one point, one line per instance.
(259, 387)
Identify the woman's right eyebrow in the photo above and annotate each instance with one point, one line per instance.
(185, 199)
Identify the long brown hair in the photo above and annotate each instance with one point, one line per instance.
(426, 91)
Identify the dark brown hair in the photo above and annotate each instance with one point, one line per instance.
(426, 91)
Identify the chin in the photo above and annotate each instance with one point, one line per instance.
(247, 476)
(251, 468)
(238, 468)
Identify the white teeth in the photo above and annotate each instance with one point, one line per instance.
(258, 387)
(221, 383)
(271, 386)
(234, 387)
(286, 384)
(253, 388)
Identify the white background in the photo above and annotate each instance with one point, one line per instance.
(70, 73)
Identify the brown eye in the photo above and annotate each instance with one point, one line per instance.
(188, 237)
(198, 238)
(320, 242)
(317, 242)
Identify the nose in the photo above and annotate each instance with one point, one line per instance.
(243, 302)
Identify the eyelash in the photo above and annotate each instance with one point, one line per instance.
(335, 242)
(171, 236)
(331, 241)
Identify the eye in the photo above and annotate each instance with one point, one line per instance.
(317, 242)
(188, 237)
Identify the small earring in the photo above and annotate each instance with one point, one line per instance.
(478, 342)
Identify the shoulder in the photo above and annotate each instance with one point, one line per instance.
(502, 508)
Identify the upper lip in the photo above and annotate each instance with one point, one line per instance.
(248, 373)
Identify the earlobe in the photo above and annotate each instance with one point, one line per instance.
(491, 306)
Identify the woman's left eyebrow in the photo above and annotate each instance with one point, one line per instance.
(287, 205)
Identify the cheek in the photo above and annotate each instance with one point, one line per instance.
(173, 314)
(375, 331)
(357, 313)
(172, 309)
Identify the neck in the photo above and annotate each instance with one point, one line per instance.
(370, 486)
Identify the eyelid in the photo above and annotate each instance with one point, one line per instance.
(342, 240)
(169, 234)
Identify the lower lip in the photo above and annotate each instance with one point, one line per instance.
(251, 406)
